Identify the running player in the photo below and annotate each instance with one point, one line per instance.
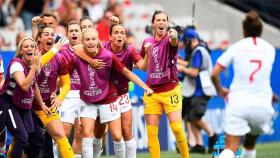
(252, 59)
(163, 79)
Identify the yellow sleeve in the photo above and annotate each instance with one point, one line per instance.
(65, 82)
(47, 57)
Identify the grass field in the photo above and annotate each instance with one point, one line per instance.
(267, 150)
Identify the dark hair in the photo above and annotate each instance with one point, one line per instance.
(40, 31)
(85, 18)
(252, 25)
(48, 15)
(125, 45)
(158, 12)
(72, 23)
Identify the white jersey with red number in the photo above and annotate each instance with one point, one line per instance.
(252, 60)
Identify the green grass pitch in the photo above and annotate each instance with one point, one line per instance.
(266, 150)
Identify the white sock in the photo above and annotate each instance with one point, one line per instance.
(227, 153)
(87, 149)
(77, 156)
(248, 153)
(97, 147)
(130, 148)
(119, 148)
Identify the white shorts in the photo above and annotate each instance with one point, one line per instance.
(124, 103)
(70, 107)
(107, 112)
(254, 120)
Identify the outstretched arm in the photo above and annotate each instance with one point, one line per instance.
(132, 77)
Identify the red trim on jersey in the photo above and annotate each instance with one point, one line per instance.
(221, 65)
(255, 40)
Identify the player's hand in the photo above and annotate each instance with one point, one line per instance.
(46, 110)
(36, 20)
(180, 67)
(115, 20)
(56, 103)
(173, 33)
(63, 41)
(53, 96)
(36, 59)
(223, 92)
(97, 63)
(149, 91)
(147, 47)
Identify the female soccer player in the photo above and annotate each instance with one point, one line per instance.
(249, 108)
(16, 96)
(98, 93)
(163, 80)
(47, 83)
(69, 110)
(128, 55)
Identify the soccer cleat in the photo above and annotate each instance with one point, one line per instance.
(211, 142)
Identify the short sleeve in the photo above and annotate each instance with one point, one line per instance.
(16, 66)
(197, 59)
(135, 55)
(226, 58)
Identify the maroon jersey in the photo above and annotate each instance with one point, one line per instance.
(22, 99)
(162, 72)
(127, 56)
(95, 85)
(48, 76)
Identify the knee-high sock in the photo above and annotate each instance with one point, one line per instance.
(181, 139)
(227, 153)
(130, 148)
(248, 153)
(153, 142)
(87, 149)
(97, 147)
(64, 147)
(119, 148)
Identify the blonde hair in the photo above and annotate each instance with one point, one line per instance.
(19, 47)
(92, 30)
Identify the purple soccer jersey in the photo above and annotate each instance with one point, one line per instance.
(68, 53)
(22, 99)
(127, 57)
(95, 82)
(162, 55)
(48, 76)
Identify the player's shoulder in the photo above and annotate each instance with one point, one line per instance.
(265, 44)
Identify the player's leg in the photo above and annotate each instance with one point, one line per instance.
(100, 131)
(109, 113)
(126, 121)
(77, 141)
(172, 102)
(54, 127)
(88, 114)
(249, 150)
(231, 145)
(153, 110)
